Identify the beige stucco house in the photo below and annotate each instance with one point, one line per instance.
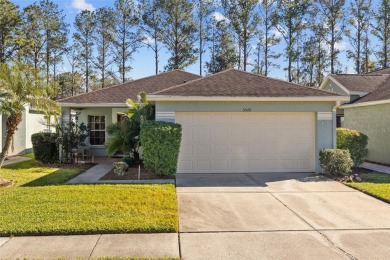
(368, 110)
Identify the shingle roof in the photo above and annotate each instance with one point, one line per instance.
(380, 71)
(360, 83)
(381, 93)
(120, 93)
(235, 83)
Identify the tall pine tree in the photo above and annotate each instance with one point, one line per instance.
(244, 20)
(179, 32)
(83, 41)
(382, 32)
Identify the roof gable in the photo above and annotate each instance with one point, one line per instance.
(360, 83)
(235, 83)
(120, 93)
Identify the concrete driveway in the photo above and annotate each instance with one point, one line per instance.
(278, 216)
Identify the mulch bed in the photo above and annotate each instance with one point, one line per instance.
(355, 171)
(132, 174)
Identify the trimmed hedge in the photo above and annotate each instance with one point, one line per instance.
(353, 141)
(45, 147)
(161, 146)
(336, 161)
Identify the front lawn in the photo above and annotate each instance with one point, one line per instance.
(41, 205)
(375, 184)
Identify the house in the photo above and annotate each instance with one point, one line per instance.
(100, 108)
(32, 122)
(233, 121)
(368, 110)
(353, 85)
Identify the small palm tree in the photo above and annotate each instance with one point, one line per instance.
(124, 136)
(20, 86)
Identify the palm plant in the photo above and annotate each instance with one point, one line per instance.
(21, 85)
(124, 136)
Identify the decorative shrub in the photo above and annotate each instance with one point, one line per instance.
(336, 161)
(120, 168)
(70, 137)
(161, 146)
(353, 141)
(45, 147)
(128, 160)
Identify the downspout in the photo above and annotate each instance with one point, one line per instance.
(334, 121)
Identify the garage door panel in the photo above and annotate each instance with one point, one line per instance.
(246, 142)
(203, 134)
(203, 149)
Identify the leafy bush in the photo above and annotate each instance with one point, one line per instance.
(353, 141)
(45, 147)
(124, 136)
(161, 146)
(128, 160)
(336, 161)
(71, 136)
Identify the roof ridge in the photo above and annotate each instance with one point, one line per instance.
(284, 81)
(191, 81)
(127, 82)
(361, 75)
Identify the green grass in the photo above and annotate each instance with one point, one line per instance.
(374, 184)
(29, 155)
(40, 205)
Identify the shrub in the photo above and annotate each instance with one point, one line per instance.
(161, 146)
(45, 147)
(336, 161)
(128, 160)
(353, 141)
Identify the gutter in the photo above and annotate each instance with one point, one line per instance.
(368, 103)
(236, 98)
(76, 105)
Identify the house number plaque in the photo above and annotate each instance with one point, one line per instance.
(247, 109)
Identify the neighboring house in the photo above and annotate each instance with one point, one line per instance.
(368, 110)
(100, 108)
(353, 85)
(371, 116)
(32, 122)
(235, 121)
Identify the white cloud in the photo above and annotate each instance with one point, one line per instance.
(147, 39)
(341, 46)
(82, 5)
(277, 33)
(218, 16)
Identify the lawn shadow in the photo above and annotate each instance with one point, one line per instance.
(58, 177)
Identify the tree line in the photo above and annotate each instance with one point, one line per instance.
(242, 34)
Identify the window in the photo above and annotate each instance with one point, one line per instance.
(97, 130)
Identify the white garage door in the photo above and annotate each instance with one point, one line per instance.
(246, 142)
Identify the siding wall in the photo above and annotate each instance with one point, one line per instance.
(109, 113)
(325, 125)
(374, 121)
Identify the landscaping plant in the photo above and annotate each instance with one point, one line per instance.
(353, 141)
(336, 161)
(70, 136)
(45, 147)
(20, 86)
(125, 136)
(161, 144)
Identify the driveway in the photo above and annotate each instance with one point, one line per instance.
(278, 216)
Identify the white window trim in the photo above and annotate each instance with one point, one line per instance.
(105, 132)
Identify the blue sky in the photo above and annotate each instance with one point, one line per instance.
(143, 60)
